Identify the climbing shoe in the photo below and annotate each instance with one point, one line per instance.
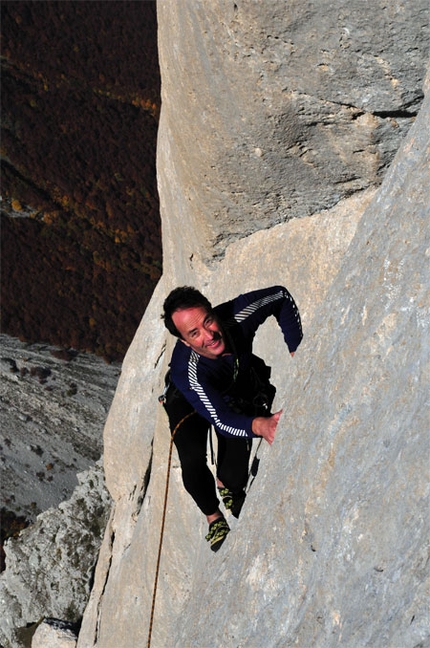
(238, 501)
(218, 530)
(226, 496)
(233, 502)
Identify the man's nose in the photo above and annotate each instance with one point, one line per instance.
(208, 333)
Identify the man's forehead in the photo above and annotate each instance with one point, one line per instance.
(190, 311)
(189, 316)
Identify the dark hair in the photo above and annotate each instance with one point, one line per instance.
(179, 299)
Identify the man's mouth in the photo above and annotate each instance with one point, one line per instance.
(215, 341)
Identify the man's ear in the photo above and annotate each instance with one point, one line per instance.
(186, 343)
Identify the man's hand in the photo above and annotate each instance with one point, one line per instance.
(266, 427)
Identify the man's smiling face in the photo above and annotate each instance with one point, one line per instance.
(200, 331)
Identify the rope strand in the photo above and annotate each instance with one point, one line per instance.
(163, 520)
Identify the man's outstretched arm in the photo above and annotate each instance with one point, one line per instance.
(253, 308)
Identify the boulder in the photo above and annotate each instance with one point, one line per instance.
(53, 634)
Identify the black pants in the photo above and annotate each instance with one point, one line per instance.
(191, 440)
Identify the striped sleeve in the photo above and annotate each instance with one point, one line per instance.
(253, 308)
(209, 403)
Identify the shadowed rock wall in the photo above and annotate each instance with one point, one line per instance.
(275, 110)
(81, 240)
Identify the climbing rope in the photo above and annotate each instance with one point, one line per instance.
(253, 472)
(163, 520)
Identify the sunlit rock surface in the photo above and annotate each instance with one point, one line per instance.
(50, 566)
(275, 111)
(277, 129)
(53, 405)
(269, 128)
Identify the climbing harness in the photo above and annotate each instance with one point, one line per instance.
(163, 520)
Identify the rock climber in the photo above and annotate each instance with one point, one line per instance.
(215, 379)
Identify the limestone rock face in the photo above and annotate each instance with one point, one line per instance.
(52, 635)
(273, 111)
(52, 415)
(50, 565)
(269, 114)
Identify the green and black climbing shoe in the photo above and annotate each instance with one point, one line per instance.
(226, 496)
(238, 501)
(218, 530)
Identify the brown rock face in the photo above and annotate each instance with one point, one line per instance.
(81, 249)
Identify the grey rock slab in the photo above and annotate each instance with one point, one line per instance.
(49, 566)
(52, 415)
(289, 109)
(343, 555)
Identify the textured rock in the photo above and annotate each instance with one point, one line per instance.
(278, 125)
(288, 109)
(53, 635)
(50, 565)
(339, 554)
(53, 406)
(343, 555)
(330, 549)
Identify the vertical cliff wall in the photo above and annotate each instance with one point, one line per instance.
(278, 124)
(273, 111)
(81, 244)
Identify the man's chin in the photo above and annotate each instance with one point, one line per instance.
(217, 349)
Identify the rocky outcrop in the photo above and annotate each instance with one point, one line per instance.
(278, 126)
(50, 566)
(288, 109)
(51, 634)
(53, 405)
(276, 129)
